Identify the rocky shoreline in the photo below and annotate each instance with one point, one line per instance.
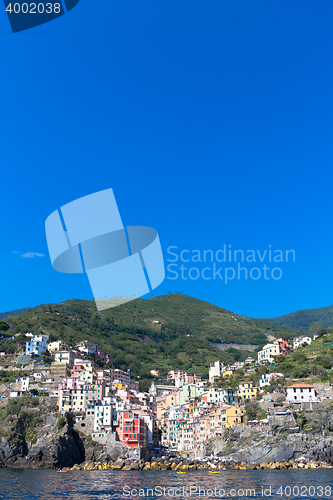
(244, 449)
(191, 465)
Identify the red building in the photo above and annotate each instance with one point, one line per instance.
(132, 429)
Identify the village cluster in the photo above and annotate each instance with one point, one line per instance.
(180, 414)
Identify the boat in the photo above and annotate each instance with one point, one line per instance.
(214, 471)
(180, 472)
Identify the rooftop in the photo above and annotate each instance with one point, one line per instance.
(299, 386)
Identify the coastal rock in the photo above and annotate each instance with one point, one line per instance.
(63, 449)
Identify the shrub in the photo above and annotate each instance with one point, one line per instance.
(301, 420)
(302, 371)
(61, 422)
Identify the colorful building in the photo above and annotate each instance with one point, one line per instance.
(247, 391)
(131, 429)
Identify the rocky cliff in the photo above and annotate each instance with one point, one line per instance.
(57, 448)
(306, 433)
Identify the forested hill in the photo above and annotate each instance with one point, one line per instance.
(16, 312)
(306, 319)
(182, 339)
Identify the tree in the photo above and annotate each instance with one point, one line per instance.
(276, 384)
(252, 410)
(314, 329)
(4, 326)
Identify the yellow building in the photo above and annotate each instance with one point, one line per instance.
(171, 400)
(228, 373)
(160, 410)
(225, 417)
(118, 385)
(247, 391)
(234, 415)
(165, 404)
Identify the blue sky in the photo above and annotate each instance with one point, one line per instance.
(211, 121)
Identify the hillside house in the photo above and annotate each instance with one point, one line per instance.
(299, 341)
(215, 371)
(36, 345)
(301, 393)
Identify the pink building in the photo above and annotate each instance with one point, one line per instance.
(104, 356)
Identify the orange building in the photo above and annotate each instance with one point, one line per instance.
(285, 347)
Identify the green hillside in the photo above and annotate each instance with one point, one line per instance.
(16, 312)
(302, 320)
(183, 338)
(311, 363)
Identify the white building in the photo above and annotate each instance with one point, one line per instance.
(15, 394)
(268, 352)
(266, 378)
(215, 370)
(36, 345)
(24, 381)
(86, 376)
(87, 347)
(102, 416)
(218, 395)
(301, 393)
(298, 341)
(55, 346)
(65, 357)
(236, 366)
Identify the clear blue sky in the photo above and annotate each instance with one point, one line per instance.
(211, 121)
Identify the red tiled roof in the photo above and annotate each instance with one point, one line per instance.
(300, 385)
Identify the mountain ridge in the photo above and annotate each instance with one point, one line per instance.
(183, 337)
(304, 319)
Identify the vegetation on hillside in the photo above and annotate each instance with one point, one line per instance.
(313, 362)
(303, 320)
(307, 364)
(181, 340)
(20, 418)
(16, 312)
(8, 376)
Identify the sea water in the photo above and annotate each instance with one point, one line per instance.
(33, 484)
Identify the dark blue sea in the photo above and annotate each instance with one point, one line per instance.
(24, 484)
